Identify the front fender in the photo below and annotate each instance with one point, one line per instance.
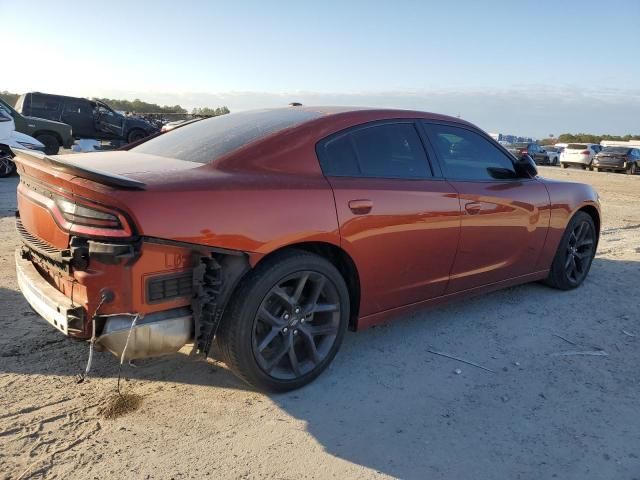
(566, 198)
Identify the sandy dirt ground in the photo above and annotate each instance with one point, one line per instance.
(387, 407)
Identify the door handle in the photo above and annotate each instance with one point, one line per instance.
(361, 206)
(473, 208)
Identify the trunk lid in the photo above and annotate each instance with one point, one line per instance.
(97, 177)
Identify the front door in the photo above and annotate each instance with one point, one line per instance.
(79, 114)
(504, 218)
(398, 222)
(109, 124)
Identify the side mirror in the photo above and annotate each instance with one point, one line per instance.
(526, 167)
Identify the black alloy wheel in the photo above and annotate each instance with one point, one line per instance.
(7, 167)
(575, 253)
(579, 252)
(296, 325)
(285, 321)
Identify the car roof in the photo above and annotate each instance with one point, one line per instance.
(329, 110)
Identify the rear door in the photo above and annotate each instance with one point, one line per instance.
(78, 113)
(397, 219)
(504, 218)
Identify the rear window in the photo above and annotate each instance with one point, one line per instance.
(616, 150)
(577, 146)
(210, 139)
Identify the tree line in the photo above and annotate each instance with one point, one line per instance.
(137, 106)
(587, 138)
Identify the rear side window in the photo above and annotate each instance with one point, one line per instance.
(390, 150)
(466, 155)
(207, 140)
(45, 105)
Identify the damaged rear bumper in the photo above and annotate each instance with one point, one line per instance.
(49, 303)
(154, 334)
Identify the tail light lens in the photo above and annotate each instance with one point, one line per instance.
(585, 152)
(79, 215)
(85, 218)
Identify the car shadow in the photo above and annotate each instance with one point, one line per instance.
(389, 403)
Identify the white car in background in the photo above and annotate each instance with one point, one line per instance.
(579, 154)
(9, 139)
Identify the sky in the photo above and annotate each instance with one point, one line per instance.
(525, 67)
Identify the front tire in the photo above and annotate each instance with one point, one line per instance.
(50, 142)
(135, 135)
(575, 253)
(285, 322)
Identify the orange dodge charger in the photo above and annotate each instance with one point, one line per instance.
(270, 232)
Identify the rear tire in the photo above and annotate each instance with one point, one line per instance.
(564, 165)
(632, 170)
(575, 253)
(51, 143)
(274, 335)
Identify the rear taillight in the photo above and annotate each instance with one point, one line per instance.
(80, 216)
(83, 217)
(523, 151)
(86, 216)
(585, 152)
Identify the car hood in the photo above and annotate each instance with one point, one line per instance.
(140, 122)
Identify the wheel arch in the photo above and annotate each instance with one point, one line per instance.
(595, 216)
(48, 132)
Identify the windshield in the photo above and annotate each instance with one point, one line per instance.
(207, 140)
(615, 150)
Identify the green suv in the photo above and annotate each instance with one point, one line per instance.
(52, 134)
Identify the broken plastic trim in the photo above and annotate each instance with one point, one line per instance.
(215, 277)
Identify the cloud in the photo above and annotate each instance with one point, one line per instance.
(532, 110)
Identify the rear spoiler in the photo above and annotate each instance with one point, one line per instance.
(105, 178)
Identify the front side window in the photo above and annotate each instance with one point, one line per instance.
(466, 155)
(78, 107)
(389, 150)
